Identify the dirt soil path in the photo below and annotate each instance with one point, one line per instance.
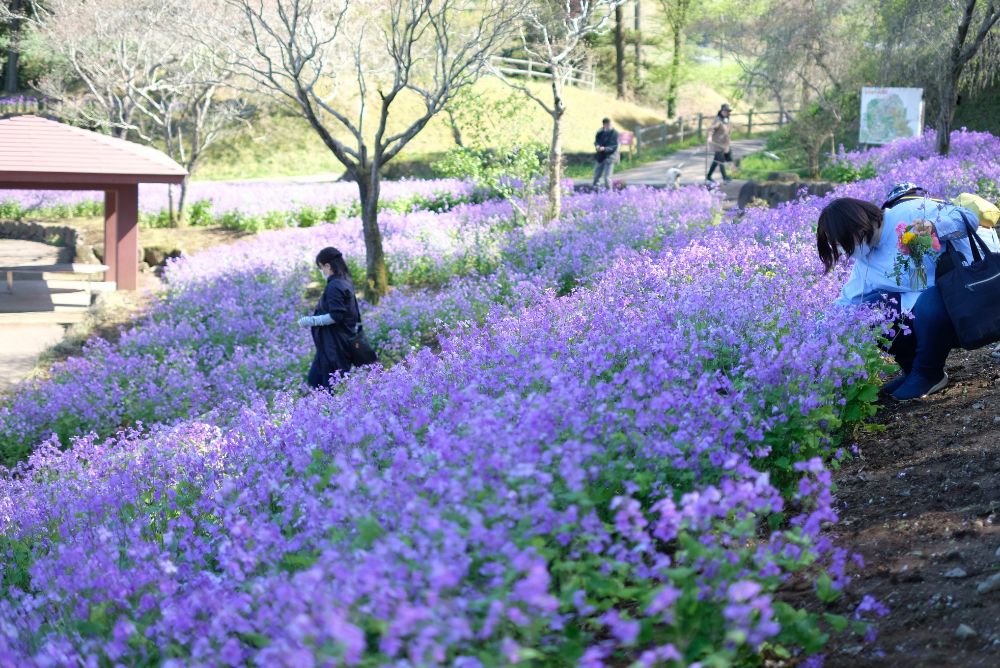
(920, 505)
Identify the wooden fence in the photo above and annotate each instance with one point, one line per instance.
(533, 68)
(662, 134)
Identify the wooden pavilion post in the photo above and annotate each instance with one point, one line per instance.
(121, 236)
(111, 235)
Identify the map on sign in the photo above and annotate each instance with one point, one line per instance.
(890, 113)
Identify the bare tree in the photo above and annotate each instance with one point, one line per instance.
(113, 52)
(307, 51)
(964, 47)
(187, 113)
(804, 48)
(552, 32)
(129, 68)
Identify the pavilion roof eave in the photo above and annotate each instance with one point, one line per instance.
(77, 181)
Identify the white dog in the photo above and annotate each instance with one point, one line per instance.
(674, 177)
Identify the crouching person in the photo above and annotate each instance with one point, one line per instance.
(867, 234)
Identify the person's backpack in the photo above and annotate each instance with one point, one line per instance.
(987, 212)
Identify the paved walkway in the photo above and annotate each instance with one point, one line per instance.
(36, 315)
(691, 162)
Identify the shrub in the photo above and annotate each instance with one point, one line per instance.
(199, 213)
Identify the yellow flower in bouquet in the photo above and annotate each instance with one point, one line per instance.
(915, 241)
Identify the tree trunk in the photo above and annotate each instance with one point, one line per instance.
(10, 67)
(555, 149)
(815, 151)
(946, 113)
(456, 132)
(377, 274)
(171, 218)
(620, 51)
(555, 167)
(675, 71)
(638, 44)
(181, 218)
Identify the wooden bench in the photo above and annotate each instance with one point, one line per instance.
(62, 268)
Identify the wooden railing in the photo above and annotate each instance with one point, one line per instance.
(665, 133)
(533, 68)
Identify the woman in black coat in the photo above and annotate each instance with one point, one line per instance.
(335, 319)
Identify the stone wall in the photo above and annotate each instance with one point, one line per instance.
(66, 238)
(776, 192)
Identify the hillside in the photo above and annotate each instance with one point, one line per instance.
(282, 144)
(979, 112)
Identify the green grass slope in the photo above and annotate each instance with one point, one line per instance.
(980, 111)
(282, 144)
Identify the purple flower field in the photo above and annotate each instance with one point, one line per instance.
(616, 456)
(249, 198)
(224, 331)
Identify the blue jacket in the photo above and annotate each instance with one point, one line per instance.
(609, 140)
(873, 265)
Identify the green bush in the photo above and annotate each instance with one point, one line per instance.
(10, 209)
(988, 189)
(307, 217)
(507, 172)
(841, 172)
(160, 219)
(200, 213)
(88, 208)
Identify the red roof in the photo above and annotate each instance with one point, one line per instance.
(36, 150)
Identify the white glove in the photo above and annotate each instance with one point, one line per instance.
(315, 320)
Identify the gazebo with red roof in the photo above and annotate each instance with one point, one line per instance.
(41, 154)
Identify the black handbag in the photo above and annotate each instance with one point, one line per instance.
(971, 292)
(358, 348)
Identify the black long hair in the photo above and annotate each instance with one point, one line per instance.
(844, 224)
(335, 259)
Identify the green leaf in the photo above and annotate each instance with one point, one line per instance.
(836, 622)
(368, 531)
(825, 589)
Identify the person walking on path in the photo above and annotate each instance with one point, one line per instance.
(719, 143)
(606, 146)
(336, 317)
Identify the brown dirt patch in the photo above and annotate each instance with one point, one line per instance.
(920, 505)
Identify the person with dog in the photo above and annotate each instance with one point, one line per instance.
(606, 149)
(719, 143)
(923, 334)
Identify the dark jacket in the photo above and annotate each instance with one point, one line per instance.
(339, 301)
(609, 140)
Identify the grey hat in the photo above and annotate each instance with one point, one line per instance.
(900, 190)
(725, 107)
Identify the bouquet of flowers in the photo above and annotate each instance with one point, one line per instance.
(915, 241)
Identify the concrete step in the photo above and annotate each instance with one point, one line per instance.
(44, 303)
(64, 316)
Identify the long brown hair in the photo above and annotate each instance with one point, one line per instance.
(843, 225)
